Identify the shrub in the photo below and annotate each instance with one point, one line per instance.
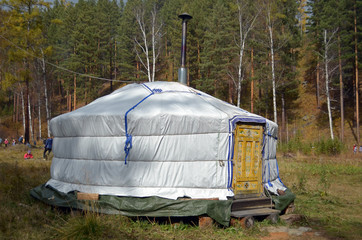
(329, 146)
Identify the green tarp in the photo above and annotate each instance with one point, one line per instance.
(132, 206)
(282, 201)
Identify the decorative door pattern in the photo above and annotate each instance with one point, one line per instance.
(247, 160)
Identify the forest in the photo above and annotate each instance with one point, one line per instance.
(263, 56)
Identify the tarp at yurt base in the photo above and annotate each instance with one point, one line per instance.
(145, 148)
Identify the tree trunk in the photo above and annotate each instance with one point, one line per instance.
(68, 100)
(317, 74)
(287, 131)
(327, 84)
(230, 92)
(31, 136)
(273, 71)
(168, 61)
(139, 18)
(33, 122)
(317, 83)
(138, 69)
(39, 116)
(153, 45)
(283, 119)
(17, 107)
(240, 74)
(110, 67)
(341, 87)
(252, 81)
(27, 136)
(75, 92)
(115, 59)
(14, 108)
(23, 109)
(356, 72)
(47, 110)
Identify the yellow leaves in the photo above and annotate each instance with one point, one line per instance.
(280, 16)
(48, 51)
(9, 80)
(57, 21)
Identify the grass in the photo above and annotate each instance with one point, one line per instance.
(328, 192)
(327, 195)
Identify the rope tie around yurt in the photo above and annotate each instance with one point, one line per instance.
(230, 157)
(269, 183)
(128, 144)
(278, 173)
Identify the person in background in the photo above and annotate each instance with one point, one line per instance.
(21, 138)
(28, 155)
(48, 147)
(355, 149)
(1, 141)
(6, 142)
(14, 142)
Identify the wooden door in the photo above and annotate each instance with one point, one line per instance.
(247, 161)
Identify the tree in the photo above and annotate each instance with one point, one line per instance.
(356, 71)
(109, 15)
(217, 51)
(247, 15)
(23, 30)
(269, 10)
(149, 38)
(327, 45)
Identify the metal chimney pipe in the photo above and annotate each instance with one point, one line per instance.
(182, 71)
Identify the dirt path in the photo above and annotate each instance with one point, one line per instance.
(286, 232)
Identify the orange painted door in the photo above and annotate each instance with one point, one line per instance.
(247, 160)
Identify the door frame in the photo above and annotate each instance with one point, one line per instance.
(258, 190)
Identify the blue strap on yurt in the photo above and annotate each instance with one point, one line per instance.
(269, 183)
(276, 161)
(230, 165)
(128, 144)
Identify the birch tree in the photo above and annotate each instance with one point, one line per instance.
(22, 108)
(149, 39)
(247, 16)
(47, 110)
(30, 121)
(270, 25)
(328, 41)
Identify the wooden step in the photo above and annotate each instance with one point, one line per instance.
(250, 203)
(254, 212)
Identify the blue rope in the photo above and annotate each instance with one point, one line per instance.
(230, 165)
(229, 148)
(269, 183)
(232, 159)
(276, 161)
(128, 144)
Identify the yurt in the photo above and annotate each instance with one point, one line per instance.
(161, 149)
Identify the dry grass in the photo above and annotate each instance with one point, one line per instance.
(327, 194)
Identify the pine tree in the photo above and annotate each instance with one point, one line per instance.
(217, 51)
(23, 30)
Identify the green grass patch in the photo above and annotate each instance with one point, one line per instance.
(322, 147)
(328, 192)
(326, 189)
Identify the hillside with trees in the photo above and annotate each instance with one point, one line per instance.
(295, 62)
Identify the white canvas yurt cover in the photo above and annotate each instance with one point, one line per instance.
(159, 139)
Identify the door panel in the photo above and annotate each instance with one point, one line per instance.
(247, 160)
